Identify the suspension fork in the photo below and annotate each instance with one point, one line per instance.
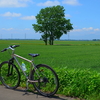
(10, 67)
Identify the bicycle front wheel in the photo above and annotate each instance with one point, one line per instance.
(48, 82)
(9, 74)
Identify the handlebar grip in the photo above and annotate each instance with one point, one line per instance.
(12, 46)
(16, 46)
(4, 50)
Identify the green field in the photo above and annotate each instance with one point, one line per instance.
(74, 59)
(73, 54)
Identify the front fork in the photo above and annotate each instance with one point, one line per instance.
(10, 67)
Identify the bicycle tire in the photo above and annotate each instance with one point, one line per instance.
(10, 79)
(48, 82)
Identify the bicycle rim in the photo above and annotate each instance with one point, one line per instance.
(11, 78)
(48, 83)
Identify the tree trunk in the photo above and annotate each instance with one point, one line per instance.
(51, 40)
(45, 42)
(45, 38)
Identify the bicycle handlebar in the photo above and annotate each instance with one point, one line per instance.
(4, 50)
(14, 46)
(10, 47)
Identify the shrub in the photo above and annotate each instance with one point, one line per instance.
(78, 83)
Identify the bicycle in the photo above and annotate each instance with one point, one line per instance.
(43, 77)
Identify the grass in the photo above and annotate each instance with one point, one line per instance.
(77, 60)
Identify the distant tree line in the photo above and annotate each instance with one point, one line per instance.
(96, 39)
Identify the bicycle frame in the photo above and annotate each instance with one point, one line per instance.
(15, 57)
(32, 65)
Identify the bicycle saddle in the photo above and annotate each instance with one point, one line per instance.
(33, 55)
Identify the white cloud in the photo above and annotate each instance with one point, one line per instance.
(7, 29)
(97, 29)
(76, 30)
(67, 15)
(28, 18)
(49, 3)
(27, 28)
(71, 2)
(86, 29)
(14, 3)
(9, 14)
(26, 0)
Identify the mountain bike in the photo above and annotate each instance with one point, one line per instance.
(43, 77)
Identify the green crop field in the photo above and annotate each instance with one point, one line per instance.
(73, 54)
(77, 63)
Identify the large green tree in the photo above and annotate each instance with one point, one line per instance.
(51, 22)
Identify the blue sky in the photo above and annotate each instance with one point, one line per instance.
(17, 17)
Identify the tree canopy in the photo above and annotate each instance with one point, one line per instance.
(51, 22)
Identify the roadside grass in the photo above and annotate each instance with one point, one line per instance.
(76, 63)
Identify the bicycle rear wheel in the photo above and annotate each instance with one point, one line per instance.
(9, 74)
(48, 83)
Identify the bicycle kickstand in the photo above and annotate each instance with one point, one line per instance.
(26, 90)
(27, 85)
